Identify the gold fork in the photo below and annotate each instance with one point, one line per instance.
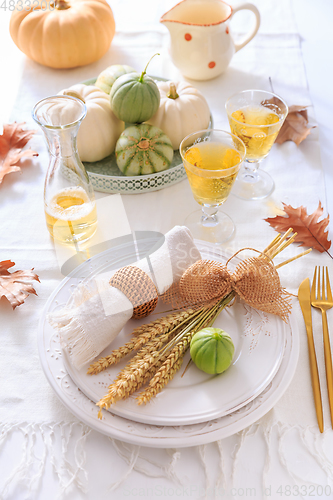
(321, 297)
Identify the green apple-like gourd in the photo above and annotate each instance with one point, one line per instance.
(106, 79)
(143, 149)
(212, 350)
(134, 98)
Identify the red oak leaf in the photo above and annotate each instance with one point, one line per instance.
(310, 232)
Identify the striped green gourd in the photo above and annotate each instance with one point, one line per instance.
(134, 98)
(212, 350)
(143, 149)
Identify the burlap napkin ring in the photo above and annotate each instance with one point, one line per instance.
(138, 288)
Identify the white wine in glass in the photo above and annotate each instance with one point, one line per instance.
(212, 159)
(256, 117)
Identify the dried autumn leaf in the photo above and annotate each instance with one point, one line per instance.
(310, 231)
(13, 139)
(15, 286)
(296, 126)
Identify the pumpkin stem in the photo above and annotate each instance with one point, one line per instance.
(145, 70)
(172, 94)
(73, 93)
(61, 4)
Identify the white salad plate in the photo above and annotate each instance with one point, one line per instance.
(198, 397)
(193, 409)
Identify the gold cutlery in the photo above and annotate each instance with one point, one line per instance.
(321, 297)
(304, 301)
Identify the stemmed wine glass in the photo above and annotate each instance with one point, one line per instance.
(256, 117)
(212, 159)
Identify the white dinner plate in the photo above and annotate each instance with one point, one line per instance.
(160, 436)
(257, 337)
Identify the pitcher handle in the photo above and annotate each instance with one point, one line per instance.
(253, 32)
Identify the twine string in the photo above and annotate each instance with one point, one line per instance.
(248, 248)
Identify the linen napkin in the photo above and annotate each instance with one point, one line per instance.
(96, 312)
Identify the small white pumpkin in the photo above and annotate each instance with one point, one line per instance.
(183, 110)
(100, 129)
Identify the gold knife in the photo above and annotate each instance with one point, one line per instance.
(304, 301)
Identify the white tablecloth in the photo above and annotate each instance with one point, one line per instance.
(43, 447)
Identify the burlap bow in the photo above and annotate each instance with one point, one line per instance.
(255, 280)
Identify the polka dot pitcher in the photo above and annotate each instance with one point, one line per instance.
(201, 44)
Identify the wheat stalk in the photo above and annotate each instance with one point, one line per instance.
(150, 392)
(126, 385)
(143, 334)
(167, 370)
(131, 380)
(151, 347)
(135, 374)
(145, 365)
(280, 243)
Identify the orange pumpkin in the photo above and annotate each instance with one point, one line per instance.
(61, 33)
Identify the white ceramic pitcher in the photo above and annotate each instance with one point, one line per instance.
(201, 45)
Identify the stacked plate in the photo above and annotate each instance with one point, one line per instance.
(196, 408)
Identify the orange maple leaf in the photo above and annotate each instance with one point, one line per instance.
(13, 139)
(15, 286)
(310, 231)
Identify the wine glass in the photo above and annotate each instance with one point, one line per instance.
(256, 117)
(212, 159)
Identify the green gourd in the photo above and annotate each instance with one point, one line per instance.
(212, 350)
(143, 149)
(106, 79)
(134, 98)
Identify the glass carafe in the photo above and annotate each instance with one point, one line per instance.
(69, 201)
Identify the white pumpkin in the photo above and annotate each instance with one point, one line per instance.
(100, 129)
(183, 110)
